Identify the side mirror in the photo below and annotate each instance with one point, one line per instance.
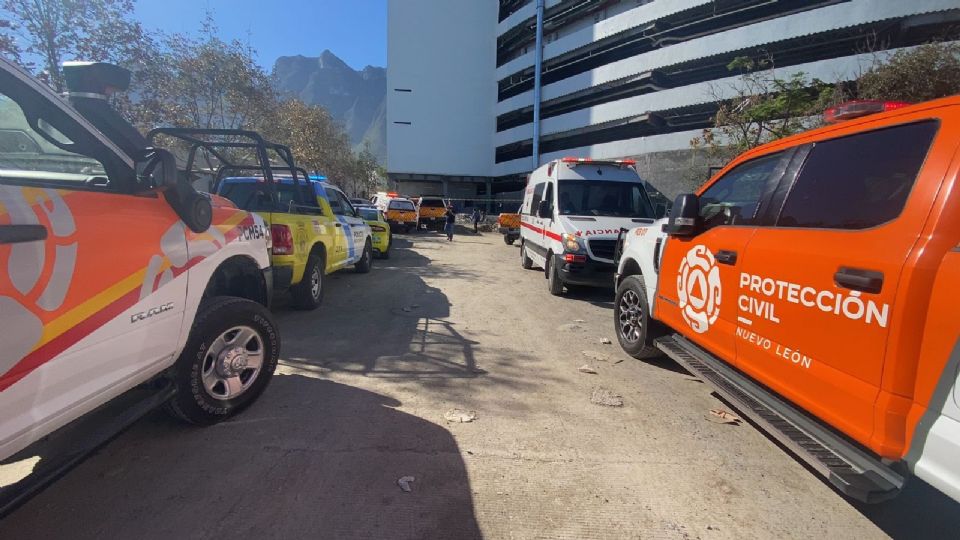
(544, 210)
(661, 210)
(684, 216)
(156, 171)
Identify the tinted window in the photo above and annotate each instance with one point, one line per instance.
(334, 201)
(858, 181)
(401, 205)
(535, 201)
(431, 203)
(253, 196)
(369, 214)
(603, 198)
(345, 204)
(733, 199)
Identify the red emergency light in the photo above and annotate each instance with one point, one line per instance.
(392, 194)
(860, 107)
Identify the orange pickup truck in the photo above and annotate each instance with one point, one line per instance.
(813, 282)
(509, 226)
(431, 212)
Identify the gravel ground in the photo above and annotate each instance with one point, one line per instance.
(362, 400)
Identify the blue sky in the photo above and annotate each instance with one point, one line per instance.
(355, 30)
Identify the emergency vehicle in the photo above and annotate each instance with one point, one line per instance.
(310, 240)
(813, 283)
(572, 211)
(121, 287)
(306, 244)
(508, 224)
(401, 214)
(431, 212)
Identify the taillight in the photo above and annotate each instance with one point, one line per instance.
(860, 107)
(377, 228)
(282, 240)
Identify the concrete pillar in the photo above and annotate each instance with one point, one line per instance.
(489, 195)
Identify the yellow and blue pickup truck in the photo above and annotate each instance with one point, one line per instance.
(309, 240)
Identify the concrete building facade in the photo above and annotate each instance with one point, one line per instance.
(618, 78)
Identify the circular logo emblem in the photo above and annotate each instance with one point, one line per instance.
(698, 289)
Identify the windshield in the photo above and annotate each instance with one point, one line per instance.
(602, 198)
(401, 205)
(369, 214)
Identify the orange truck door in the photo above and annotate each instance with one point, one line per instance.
(699, 274)
(818, 284)
(92, 298)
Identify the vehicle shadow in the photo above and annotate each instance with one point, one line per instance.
(597, 296)
(919, 511)
(400, 327)
(311, 459)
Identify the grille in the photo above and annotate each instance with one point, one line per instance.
(602, 249)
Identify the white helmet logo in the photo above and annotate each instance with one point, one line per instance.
(698, 289)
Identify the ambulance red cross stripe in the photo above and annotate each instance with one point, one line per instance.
(546, 232)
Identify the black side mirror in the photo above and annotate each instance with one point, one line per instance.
(684, 216)
(544, 210)
(156, 170)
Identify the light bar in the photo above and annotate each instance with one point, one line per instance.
(860, 107)
(619, 162)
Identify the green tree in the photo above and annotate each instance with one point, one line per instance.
(926, 72)
(760, 107)
(57, 30)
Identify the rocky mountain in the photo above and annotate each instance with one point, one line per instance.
(357, 99)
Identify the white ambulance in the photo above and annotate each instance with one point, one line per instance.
(573, 210)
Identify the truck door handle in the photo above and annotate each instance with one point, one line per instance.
(858, 279)
(338, 224)
(18, 234)
(726, 257)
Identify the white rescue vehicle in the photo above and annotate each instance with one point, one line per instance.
(572, 211)
(121, 287)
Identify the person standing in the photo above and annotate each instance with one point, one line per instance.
(476, 217)
(451, 220)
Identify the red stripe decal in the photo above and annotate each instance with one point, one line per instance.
(57, 345)
(546, 232)
(60, 343)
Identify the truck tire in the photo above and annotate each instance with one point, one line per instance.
(228, 360)
(554, 282)
(631, 319)
(525, 262)
(308, 294)
(508, 240)
(366, 259)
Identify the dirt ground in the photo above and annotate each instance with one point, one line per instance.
(360, 399)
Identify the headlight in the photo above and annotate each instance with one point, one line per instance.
(570, 242)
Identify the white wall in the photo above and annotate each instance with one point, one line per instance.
(444, 51)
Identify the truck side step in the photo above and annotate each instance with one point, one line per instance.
(68, 446)
(853, 471)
